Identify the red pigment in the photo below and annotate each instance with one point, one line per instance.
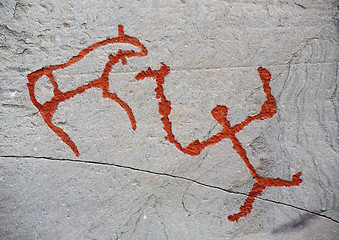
(48, 109)
(219, 113)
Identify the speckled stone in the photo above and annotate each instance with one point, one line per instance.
(136, 185)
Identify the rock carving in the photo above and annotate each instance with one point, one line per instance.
(219, 113)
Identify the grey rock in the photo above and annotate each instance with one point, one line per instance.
(136, 185)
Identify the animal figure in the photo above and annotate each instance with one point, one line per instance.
(219, 113)
(48, 108)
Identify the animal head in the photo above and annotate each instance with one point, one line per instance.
(123, 54)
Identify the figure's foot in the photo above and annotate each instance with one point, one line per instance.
(277, 182)
(246, 208)
(257, 189)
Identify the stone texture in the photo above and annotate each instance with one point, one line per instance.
(145, 188)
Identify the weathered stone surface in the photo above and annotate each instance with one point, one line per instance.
(136, 185)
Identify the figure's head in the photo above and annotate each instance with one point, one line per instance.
(219, 113)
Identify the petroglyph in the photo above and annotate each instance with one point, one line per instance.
(219, 113)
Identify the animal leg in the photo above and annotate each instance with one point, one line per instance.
(124, 105)
(62, 134)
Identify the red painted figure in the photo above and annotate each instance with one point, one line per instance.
(48, 108)
(219, 113)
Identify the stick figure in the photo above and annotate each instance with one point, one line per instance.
(219, 113)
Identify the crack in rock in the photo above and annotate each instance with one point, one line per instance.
(163, 174)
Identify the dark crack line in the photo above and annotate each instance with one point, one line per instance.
(166, 175)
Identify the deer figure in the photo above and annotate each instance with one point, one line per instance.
(48, 108)
(219, 113)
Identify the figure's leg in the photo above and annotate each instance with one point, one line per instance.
(61, 133)
(246, 208)
(237, 146)
(261, 183)
(124, 105)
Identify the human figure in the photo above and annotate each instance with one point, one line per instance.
(219, 113)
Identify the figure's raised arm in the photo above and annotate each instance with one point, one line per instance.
(268, 109)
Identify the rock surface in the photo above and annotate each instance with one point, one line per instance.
(130, 184)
